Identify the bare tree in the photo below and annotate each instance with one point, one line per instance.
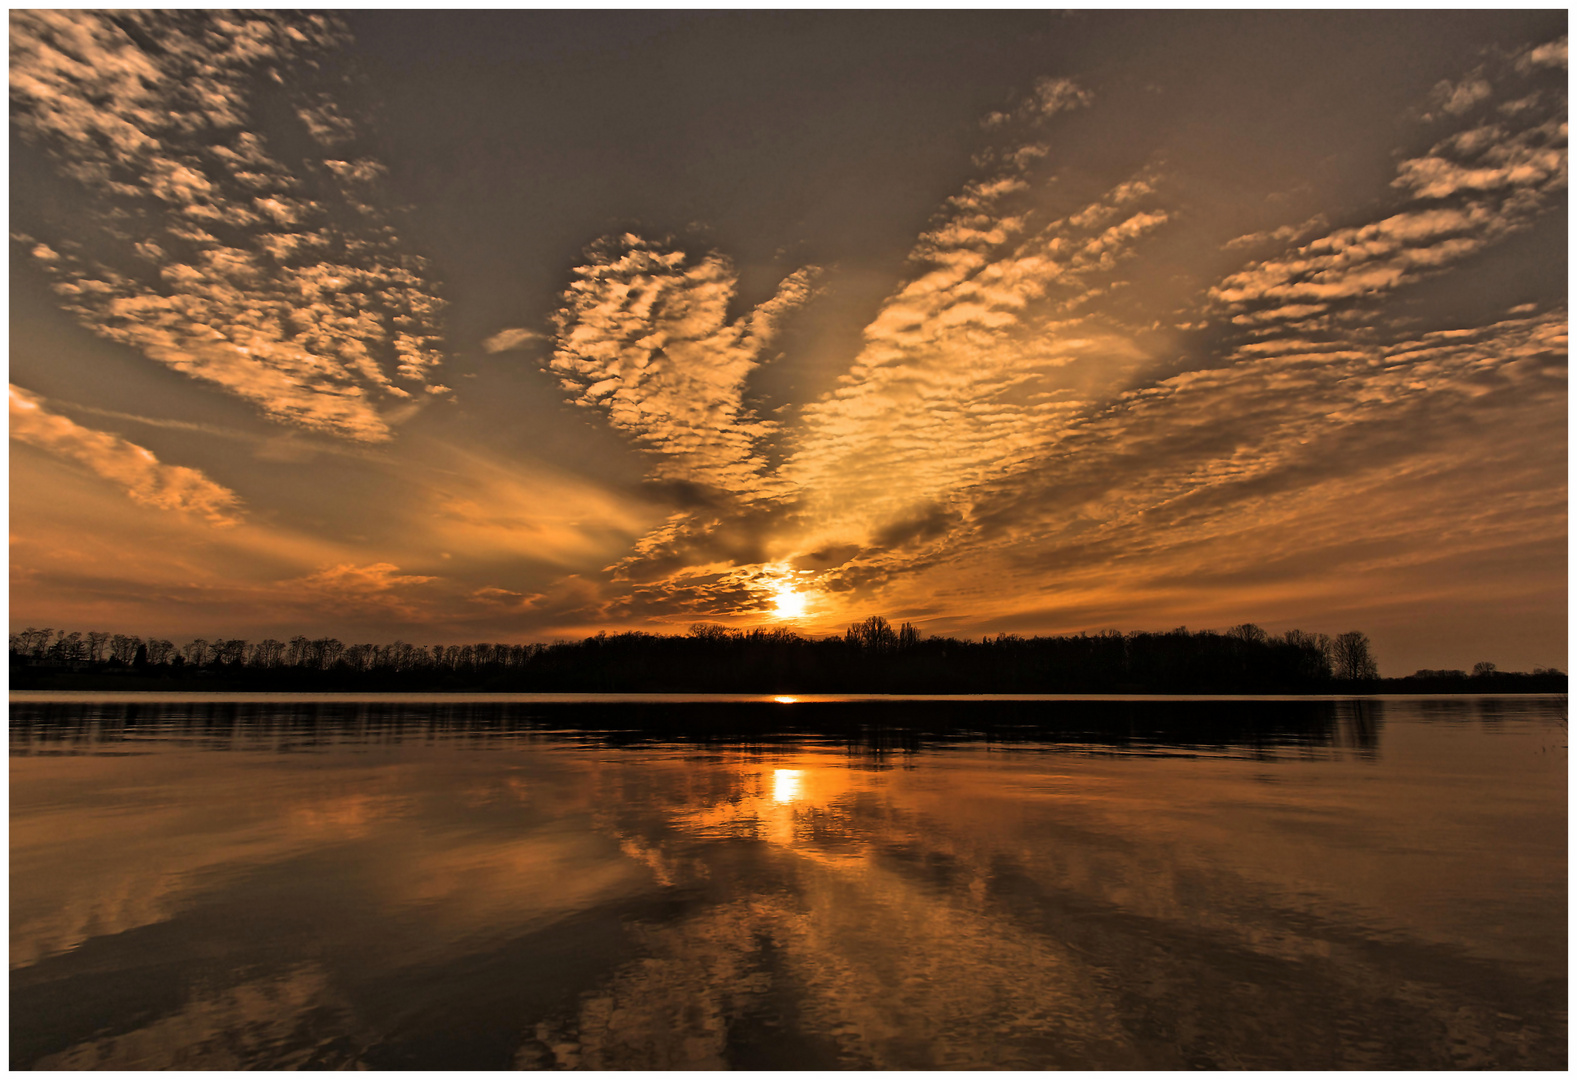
(1248, 633)
(230, 650)
(197, 652)
(327, 651)
(402, 655)
(1315, 652)
(159, 650)
(68, 647)
(97, 639)
(123, 648)
(1353, 658)
(268, 653)
(1483, 667)
(32, 642)
(874, 634)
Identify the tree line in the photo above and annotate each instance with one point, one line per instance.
(871, 656)
(95, 648)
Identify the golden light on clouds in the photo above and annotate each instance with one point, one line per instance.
(789, 603)
(1085, 360)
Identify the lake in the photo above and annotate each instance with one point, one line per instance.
(814, 883)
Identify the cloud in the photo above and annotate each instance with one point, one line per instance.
(513, 338)
(1279, 235)
(374, 588)
(1059, 95)
(1308, 479)
(1550, 54)
(135, 468)
(644, 335)
(1048, 97)
(967, 366)
(1006, 427)
(1458, 98)
(963, 371)
(200, 248)
(1468, 191)
(1290, 412)
(521, 512)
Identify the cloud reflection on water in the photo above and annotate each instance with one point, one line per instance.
(454, 897)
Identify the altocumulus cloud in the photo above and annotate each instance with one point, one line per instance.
(1474, 187)
(1319, 391)
(202, 250)
(963, 371)
(1006, 418)
(134, 468)
(644, 334)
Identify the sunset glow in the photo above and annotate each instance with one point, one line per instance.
(357, 326)
(790, 604)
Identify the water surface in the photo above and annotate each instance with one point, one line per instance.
(690, 883)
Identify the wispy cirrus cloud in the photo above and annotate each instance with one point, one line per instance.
(378, 588)
(145, 478)
(202, 249)
(512, 338)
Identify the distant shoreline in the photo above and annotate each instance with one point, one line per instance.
(1385, 688)
(871, 658)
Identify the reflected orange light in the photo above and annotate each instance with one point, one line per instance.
(785, 699)
(785, 787)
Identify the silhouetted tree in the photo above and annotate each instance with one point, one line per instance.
(68, 647)
(1314, 654)
(1352, 658)
(1248, 633)
(869, 656)
(875, 634)
(326, 652)
(32, 642)
(125, 648)
(97, 639)
(268, 653)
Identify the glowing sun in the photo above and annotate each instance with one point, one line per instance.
(791, 605)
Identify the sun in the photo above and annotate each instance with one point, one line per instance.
(791, 605)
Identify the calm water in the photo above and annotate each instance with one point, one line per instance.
(974, 884)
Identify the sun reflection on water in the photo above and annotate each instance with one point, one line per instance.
(785, 787)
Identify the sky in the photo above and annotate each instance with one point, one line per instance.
(517, 326)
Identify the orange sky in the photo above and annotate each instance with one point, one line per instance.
(508, 326)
